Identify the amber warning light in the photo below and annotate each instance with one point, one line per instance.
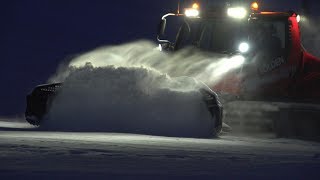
(255, 6)
(195, 6)
(193, 11)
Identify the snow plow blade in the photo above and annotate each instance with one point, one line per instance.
(41, 98)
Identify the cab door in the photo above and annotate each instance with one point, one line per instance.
(267, 73)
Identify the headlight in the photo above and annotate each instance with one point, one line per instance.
(298, 18)
(244, 47)
(238, 12)
(192, 12)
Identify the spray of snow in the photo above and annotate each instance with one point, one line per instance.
(132, 100)
(136, 88)
(206, 67)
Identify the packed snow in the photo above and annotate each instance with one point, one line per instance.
(33, 154)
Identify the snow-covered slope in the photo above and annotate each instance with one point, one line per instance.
(52, 155)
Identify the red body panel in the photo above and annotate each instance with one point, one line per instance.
(308, 79)
(298, 79)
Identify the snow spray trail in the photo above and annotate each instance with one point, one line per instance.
(206, 67)
(131, 100)
(128, 88)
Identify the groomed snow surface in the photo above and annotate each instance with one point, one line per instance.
(32, 154)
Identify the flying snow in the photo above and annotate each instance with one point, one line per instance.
(132, 100)
(206, 67)
(135, 88)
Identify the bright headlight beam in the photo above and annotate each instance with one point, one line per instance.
(298, 18)
(225, 65)
(192, 12)
(244, 47)
(237, 61)
(237, 12)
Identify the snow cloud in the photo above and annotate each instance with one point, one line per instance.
(135, 88)
(130, 100)
(206, 67)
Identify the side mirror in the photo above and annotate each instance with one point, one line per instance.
(162, 27)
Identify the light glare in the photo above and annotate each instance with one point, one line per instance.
(228, 64)
(237, 61)
(244, 47)
(192, 12)
(255, 6)
(298, 18)
(195, 6)
(238, 12)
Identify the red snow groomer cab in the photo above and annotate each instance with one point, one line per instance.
(270, 65)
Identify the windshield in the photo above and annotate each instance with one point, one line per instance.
(223, 36)
(269, 36)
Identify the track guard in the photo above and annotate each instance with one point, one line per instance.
(214, 107)
(39, 102)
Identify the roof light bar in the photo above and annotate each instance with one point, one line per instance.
(194, 11)
(237, 12)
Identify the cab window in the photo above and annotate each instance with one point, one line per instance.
(221, 36)
(268, 36)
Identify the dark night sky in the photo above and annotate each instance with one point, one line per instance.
(36, 35)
